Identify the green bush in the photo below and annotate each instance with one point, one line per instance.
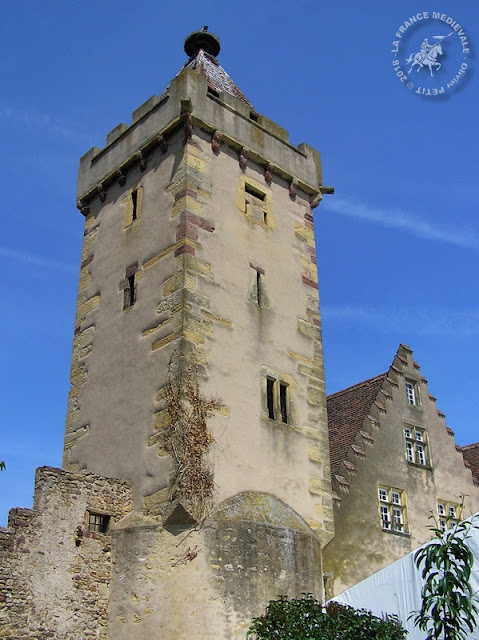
(307, 619)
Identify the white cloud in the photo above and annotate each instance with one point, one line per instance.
(36, 261)
(42, 122)
(395, 219)
(427, 322)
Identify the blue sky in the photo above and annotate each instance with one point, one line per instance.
(398, 245)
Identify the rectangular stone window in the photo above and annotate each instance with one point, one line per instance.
(98, 523)
(254, 199)
(416, 445)
(277, 400)
(392, 509)
(255, 204)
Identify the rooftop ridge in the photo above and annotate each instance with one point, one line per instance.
(358, 384)
(470, 446)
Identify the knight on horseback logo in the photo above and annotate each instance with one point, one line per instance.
(445, 55)
(428, 56)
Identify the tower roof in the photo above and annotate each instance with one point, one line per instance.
(202, 48)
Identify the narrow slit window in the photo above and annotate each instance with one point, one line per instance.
(283, 402)
(258, 288)
(134, 201)
(129, 292)
(270, 397)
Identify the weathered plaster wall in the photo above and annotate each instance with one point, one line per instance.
(55, 573)
(361, 547)
(213, 579)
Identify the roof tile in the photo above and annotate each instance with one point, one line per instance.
(346, 412)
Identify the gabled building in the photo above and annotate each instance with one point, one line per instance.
(394, 464)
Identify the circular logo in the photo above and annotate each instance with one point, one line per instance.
(431, 53)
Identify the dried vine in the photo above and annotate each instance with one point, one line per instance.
(189, 440)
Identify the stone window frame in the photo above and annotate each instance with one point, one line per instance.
(392, 510)
(255, 201)
(278, 404)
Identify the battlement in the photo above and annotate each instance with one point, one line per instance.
(190, 95)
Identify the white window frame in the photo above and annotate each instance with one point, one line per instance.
(420, 455)
(392, 509)
(385, 519)
(448, 514)
(410, 392)
(416, 445)
(398, 519)
(409, 451)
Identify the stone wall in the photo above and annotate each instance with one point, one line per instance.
(55, 571)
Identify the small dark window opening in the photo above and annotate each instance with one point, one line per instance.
(258, 288)
(270, 397)
(254, 192)
(130, 292)
(212, 92)
(134, 200)
(98, 523)
(253, 116)
(283, 402)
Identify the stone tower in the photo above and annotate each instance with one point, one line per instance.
(197, 368)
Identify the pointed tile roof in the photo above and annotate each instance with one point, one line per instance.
(217, 78)
(202, 47)
(346, 412)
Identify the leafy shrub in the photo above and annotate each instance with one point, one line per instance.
(307, 619)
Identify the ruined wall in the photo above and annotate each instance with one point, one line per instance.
(55, 572)
(211, 580)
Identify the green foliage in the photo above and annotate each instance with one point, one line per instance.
(449, 608)
(2, 465)
(307, 619)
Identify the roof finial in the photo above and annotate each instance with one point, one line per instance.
(202, 40)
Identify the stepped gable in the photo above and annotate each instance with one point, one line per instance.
(346, 412)
(470, 453)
